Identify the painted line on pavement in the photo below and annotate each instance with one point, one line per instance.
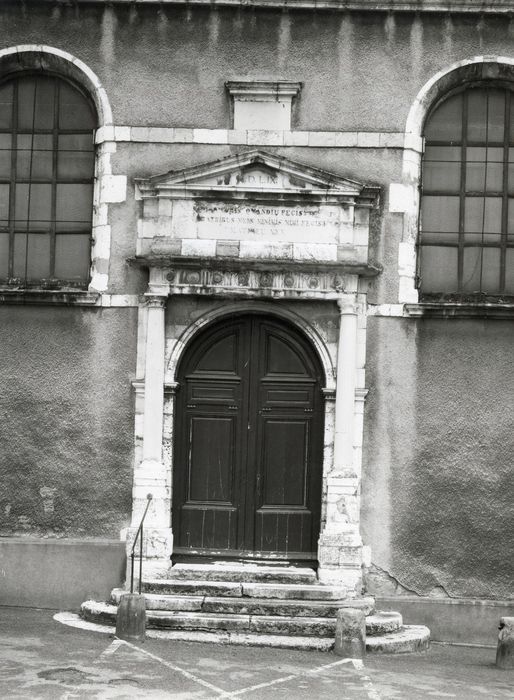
(373, 694)
(284, 679)
(187, 674)
(115, 644)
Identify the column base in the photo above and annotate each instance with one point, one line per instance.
(340, 560)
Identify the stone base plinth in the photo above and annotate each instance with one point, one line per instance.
(340, 560)
(157, 549)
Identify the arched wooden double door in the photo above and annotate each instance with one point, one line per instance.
(248, 443)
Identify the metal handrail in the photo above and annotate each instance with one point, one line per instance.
(132, 555)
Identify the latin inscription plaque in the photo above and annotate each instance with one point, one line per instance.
(295, 223)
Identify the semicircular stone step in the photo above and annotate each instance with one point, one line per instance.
(382, 622)
(408, 639)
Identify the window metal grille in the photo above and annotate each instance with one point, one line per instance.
(466, 241)
(46, 183)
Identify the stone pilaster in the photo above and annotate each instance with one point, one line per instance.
(151, 475)
(340, 544)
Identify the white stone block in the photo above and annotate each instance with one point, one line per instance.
(346, 139)
(322, 139)
(259, 137)
(99, 281)
(401, 198)
(164, 207)
(147, 228)
(296, 138)
(237, 136)
(158, 134)
(413, 142)
(113, 188)
(407, 292)
(104, 133)
(407, 258)
(391, 139)
(102, 244)
(266, 249)
(368, 139)
(183, 221)
(124, 300)
(210, 136)
(183, 135)
(314, 251)
(257, 115)
(140, 133)
(196, 247)
(122, 133)
(103, 164)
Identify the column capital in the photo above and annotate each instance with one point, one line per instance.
(348, 305)
(154, 301)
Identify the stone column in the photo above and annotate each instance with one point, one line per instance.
(340, 544)
(150, 476)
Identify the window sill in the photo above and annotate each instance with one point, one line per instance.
(74, 297)
(432, 309)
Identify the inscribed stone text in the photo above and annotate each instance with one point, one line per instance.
(271, 222)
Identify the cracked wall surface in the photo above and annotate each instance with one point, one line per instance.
(437, 477)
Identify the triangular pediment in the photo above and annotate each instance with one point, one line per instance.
(251, 171)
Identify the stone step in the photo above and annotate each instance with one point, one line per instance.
(244, 572)
(259, 630)
(193, 588)
(263, 624)
(243, 605)
(408, 639)
(382, 623)
(281, 591)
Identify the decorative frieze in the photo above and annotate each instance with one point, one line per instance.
(311, 284)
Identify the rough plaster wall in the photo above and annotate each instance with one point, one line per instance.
(167, 65)
(66, 420)
(437, 485)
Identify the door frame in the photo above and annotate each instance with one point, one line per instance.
(325, 356)
(190, 350)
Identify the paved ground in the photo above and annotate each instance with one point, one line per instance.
(41, 658)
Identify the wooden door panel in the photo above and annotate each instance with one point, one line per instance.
(211, 458)
(284, 533)
(204, 392)
(281, 356)
(286, 395)
(283, 470)
(208, 528)
(221, 356)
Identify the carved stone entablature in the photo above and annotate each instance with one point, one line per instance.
(255, 206)
(265, 281)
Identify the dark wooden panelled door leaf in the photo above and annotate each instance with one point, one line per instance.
(248, 448)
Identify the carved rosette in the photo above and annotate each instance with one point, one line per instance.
(317, 285)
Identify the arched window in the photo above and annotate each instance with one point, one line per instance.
(46, 182)
(466, 241)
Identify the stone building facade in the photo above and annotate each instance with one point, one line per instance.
(269, 338)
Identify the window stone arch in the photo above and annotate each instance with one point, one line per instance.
(404, 196)
(108, 188)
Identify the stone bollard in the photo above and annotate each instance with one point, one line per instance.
(131, 617)
(505, 649)
(350, 633)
